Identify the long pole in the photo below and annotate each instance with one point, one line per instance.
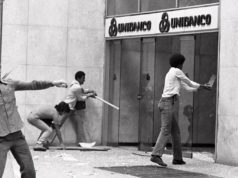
(104, 101)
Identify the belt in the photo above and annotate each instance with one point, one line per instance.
(13, 136)
(171, 98)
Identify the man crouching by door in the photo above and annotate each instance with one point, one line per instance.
(47, 118)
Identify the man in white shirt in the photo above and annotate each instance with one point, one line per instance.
(169, 107)
(76, 98)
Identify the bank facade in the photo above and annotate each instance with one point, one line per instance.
(140, 38)
(124, 46)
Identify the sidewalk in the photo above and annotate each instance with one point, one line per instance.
(118, 162)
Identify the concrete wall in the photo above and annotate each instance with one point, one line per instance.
(49, 40)
(227, 135)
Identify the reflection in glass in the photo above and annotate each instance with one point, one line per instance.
(150, 5)
(188, 115)
(146, 119)
(183, 3)
(117, 7)
(129, 89)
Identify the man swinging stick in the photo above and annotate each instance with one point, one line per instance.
(76, 99)
(169, 107)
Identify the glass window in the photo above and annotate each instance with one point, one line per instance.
(110, 7)
(117, 7)
(150, 5)
(183, 3)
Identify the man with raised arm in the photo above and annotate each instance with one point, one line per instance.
(11, 137)
(175, 79)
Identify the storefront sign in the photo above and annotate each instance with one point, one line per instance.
(167, 22)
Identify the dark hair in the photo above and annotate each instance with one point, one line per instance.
(176, 60)
(62, 107)
(79, 74)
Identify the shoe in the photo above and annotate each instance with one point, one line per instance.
(158, 160)
(176, 161)
(46, 145)
(39, 147)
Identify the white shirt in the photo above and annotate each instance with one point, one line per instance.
(174, 79)
(75, 93)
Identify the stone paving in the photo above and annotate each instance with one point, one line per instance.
(118, 162)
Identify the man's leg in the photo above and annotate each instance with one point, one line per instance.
(78, 123)
(165, 132)
(20, 151)
(176, 138)
(46, 134)
(4, 148)
(47, 131)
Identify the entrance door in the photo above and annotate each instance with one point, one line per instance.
(197, 110)
(187, 48)
(146, 118)
(129, 90)
(138, 71)
(114, 92)
(165, 47)
(205, 101)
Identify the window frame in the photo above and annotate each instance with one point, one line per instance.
(147, 12)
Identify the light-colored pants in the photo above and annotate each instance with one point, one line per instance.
(38, 123)
(79, 120)
(169, 108)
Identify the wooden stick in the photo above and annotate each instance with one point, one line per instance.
(10, 71)
(212, 80)
(110, 104)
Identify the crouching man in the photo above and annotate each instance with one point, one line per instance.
(46, 119)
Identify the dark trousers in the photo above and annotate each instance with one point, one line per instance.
(16, 143)
(169, 108)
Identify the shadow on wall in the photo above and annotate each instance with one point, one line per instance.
(154, 172)
(188, 113)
